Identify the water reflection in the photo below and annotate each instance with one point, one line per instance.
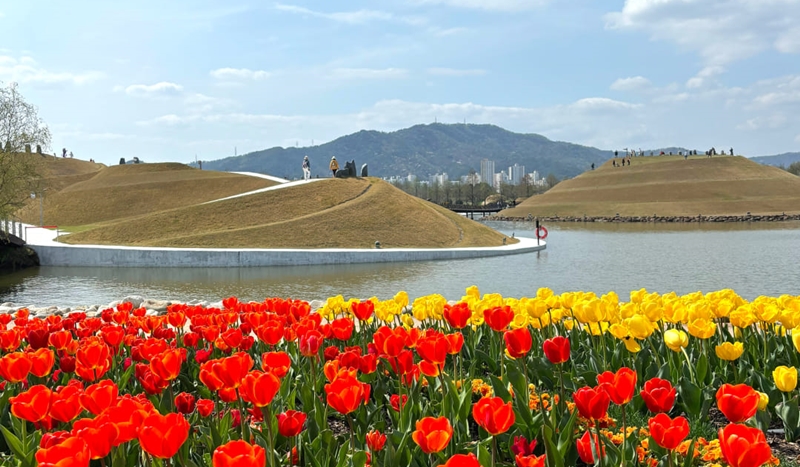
(752, 259)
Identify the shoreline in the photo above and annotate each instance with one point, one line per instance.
(652, 219)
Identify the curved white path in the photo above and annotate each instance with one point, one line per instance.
(53, 253)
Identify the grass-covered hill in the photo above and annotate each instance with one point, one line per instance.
(343, 213)
(670, 186)
(80, 193)
(423, 150)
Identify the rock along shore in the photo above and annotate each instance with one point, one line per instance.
(656, 219)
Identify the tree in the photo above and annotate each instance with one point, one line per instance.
(794, 168)
(551, 180)
(20, 129)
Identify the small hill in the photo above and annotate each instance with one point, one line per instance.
(86, 193)
(425, 150)
(332, 213)
(670, 186)
(784, 160)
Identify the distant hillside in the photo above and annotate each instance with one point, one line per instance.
(779, 160)
(670, 186)
(424, 150)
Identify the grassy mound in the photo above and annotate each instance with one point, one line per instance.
(335, 213)
(670, 186)
(76, 198)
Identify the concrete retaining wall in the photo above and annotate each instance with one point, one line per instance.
(52, 254)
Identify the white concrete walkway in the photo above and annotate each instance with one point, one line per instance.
(282, 185)
(268, 177)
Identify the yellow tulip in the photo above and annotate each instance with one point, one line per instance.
(639, 326)
(785, 378)
(763, 400)
(676, 339)
(729, 352)
(401, 298)
(796, 338)
(619, 331)
(407, 320)
(544, 293)
(472, 291)
(632, 345)
(702, 328)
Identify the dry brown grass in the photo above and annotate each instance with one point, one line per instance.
(130, 191)
(670, 186)
(327, 214)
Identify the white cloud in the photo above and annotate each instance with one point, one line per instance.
(721, 31)
(162, 89)
(197, 102)
(778, 91)
(702, 78)
(769, 122)
(495, 5)
(351, 17)
(455, 72)
(635, 83)
(239, 74)
(367, 73)
(25, 70)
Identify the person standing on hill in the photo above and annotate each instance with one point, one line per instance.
(334, 165)
(306, 168)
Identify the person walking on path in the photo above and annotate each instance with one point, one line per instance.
(334, 165)
(306, 169)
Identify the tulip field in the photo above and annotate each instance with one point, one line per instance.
(551, 380)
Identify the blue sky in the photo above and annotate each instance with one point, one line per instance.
(169, 80)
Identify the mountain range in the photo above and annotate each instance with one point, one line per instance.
(425, 150)
(784, 160)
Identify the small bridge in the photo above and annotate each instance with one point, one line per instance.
(470, 211)
(12, 232)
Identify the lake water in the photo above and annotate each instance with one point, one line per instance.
(752, 259)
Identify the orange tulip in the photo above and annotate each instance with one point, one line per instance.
(342, 328)
(462, 460)
(259, 388)
(231, 370)
(390, 342)
(14, 367)
(93, 359)
(743, 446)
(65, 404)
(70, 452)
(375, 440)
(433, 349)
(432, 434)
(518, 342)
(345, 394)
(737, 403)
(239, 454)
(60, 339)
(493, 415)
(620, 386)
(127, 414)
(498, 318)
(162, 436)
(99, 396)
(42, 362)
(455, 342)
(167, 365)
(530, 461)
(32, 405)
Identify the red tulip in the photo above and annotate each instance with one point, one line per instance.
(390, 342)
(518, 342)
(37, 338)
(462, 460)
(737, 403)
(658, 395)
(432, 434)
(162, 436)
(72, 451)
(184, 403)
(455, 342)
(530, 461)
(395, 401)
(239, 454)
(666, 432)
(584, 444)
(498, 318)
(363, 310)
(167, 364)
(99, 396)
(260, 388)
(433, 349)
(743, 446)
(457, 315)
(522, 446)
(93, 359)
(592, 403)
(342, 328)
(205, 407)
(345, 394)
(99, 433)
(375, 440)
(310, 342)
(493, 415)
(65, 404)
(290, 423)
(60, 339)
(42, 362)
(556, 349)
(620, 386)
(14, 367)
(230, 371)
(32, 405)
(277, 363)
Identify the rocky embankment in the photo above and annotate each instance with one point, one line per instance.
(153, 307)
(657, 219)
